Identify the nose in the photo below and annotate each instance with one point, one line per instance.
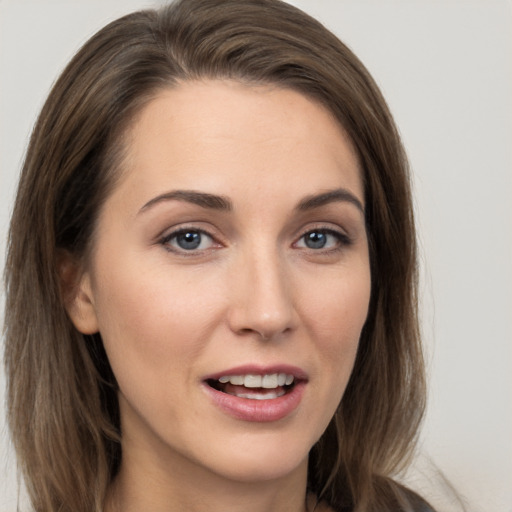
(261, 297)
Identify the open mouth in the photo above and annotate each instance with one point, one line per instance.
(254, 387)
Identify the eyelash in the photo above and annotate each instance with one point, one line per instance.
(342, 240)
(166, 240)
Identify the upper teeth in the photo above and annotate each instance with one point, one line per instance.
(269, 381)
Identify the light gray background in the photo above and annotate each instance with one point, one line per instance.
(446, 70)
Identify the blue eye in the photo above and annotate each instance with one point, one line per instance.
(315, 240)
(322, 239)
(188, 240)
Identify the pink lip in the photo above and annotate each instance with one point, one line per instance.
(252, 369)
(259, 410)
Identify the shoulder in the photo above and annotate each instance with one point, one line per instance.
(404, 500)
(417, 503)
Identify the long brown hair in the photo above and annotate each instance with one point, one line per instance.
(62, 405)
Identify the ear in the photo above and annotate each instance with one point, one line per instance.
(76, 292)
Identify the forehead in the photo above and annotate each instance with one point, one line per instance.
(216, 133)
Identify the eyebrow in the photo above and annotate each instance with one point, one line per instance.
(222, 203)
(210, 201)
(331, 196)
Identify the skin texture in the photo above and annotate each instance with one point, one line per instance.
(253, 292)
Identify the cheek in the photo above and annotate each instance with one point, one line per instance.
(336, 313)
(150, 321)
(337, 310)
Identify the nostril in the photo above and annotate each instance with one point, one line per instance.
(264, 335)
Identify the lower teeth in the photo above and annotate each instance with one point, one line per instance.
(251, 393)
(260, 396)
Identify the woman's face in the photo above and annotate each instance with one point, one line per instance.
(229, 280)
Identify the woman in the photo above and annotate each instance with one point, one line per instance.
(211, 275)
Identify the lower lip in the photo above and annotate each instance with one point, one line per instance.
(245, 409)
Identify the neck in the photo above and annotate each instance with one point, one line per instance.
(180, 485)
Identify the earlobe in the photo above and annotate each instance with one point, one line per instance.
(76, 292)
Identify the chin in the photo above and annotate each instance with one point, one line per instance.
(262, 459)
(255, 471)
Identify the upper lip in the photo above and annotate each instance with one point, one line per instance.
(252, 369)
